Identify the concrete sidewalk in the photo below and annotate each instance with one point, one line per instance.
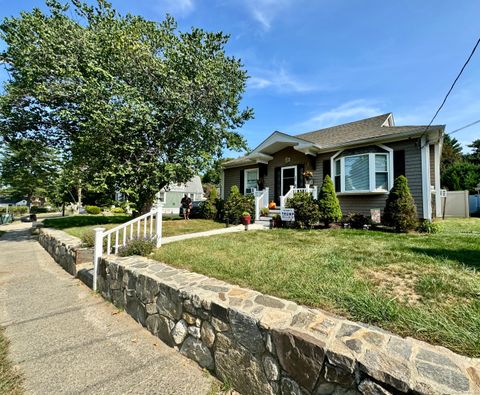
(68, 340)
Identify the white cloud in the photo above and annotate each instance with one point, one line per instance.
(265, 11)
(279, 79)
(175, 7)
(347, 112)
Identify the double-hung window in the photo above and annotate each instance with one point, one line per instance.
(251, 180)
(365, 172)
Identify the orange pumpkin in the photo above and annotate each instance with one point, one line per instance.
(272, 205)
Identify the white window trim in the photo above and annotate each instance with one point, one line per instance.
(256, 170)
(281, 176)
(371, 168)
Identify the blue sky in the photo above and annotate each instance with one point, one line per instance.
(319, 63)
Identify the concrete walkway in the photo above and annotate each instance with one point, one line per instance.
(231, 229)
(68, 340)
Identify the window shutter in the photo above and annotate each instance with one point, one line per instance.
(262, 170)
(327, 168)
(242, 181)
(277, 184)
(300, 178)
(398, 163)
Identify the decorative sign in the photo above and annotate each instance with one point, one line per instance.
(287, 214)
(375, 215)
(287, 159)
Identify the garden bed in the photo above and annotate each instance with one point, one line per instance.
(422, 285)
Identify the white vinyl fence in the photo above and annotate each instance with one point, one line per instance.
(455, 204)
(147, 226)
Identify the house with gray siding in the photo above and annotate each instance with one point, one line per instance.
(172, 195)
(363, 158)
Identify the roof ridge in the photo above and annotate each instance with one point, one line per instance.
(386, 115)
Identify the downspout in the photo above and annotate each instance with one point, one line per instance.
(426, 193)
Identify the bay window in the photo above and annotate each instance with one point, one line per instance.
(365, 172)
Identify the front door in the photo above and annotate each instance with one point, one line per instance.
(289, 177)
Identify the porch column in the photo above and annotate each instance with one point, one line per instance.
(438, 199)
(426, 193)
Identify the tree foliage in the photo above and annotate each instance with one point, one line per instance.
(28, 168)
(328, 203)
(132, 103)
(400, 211)
(451, 152)
(461, 176)
(474, 157)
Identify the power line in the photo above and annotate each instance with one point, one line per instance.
(452, 86)
(463, 127)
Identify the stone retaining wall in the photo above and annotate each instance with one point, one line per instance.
(66, 250)
(264, 345)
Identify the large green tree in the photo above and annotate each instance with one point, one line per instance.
(461, 176)
(474, 157)
(451, 152)
(28, 168)
(132, 102)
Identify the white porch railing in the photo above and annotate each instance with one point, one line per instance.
(261, 201)
(293, 190)
(147, 226)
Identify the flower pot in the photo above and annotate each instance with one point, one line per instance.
(246, 220)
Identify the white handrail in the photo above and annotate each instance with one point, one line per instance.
(101, 233)
(261, 201)
(293, 190)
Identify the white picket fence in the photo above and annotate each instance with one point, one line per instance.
(147, 226)
(261, 201)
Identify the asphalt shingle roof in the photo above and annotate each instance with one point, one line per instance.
(345, 134)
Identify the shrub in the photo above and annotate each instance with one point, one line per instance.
(118, 210)
(141, 247)
(220, 207)
(400, 211)
(95, 210)
(207, 209)
(236, 204)
(16, 210)
(328, 204)
(88, 239)
(306, 209)
(38, 210)
(427, 226)
(264, 211)
(357, 221)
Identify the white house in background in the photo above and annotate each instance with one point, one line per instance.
(171, 195)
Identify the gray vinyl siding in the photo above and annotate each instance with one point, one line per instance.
(363, 203)
(432, 164)
(349, 204)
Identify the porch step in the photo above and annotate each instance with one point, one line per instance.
(264, 221)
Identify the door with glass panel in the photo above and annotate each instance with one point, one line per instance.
(289, 177)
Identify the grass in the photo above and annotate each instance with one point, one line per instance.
(10, 379)
(424, 286)
(82, 225)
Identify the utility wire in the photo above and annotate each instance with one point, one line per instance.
(452, 86)
(464, 127)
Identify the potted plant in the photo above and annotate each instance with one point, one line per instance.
(264, 211)
(277, 221)
(307, 175)
(246, 218)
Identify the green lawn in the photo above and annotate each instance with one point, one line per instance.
(81, 225)
(425, 286)
(10, 378)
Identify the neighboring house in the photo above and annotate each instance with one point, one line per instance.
(4, 202)
(363, 158)
(172, 195)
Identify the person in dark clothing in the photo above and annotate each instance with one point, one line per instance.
(186, 203)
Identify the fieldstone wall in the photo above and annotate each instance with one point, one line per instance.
(265, 345)
(65, 249)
